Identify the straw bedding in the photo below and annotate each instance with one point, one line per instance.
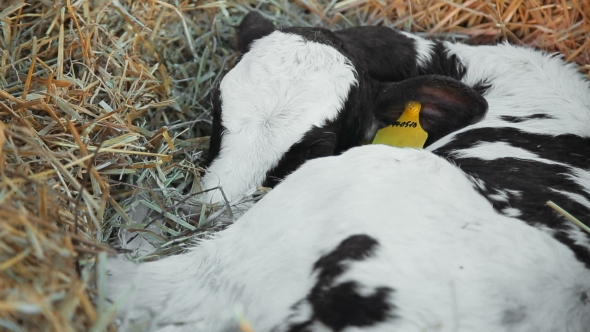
(104, 112)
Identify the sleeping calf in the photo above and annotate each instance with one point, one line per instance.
(383, 238)
(303, 93)
(376, 239)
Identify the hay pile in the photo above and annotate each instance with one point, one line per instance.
(104, 110)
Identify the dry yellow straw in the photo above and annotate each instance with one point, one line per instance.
(568, 216)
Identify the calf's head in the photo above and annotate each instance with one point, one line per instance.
(297, 94)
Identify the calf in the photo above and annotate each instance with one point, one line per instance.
(376, 239)
(303, 93)
(383, 238)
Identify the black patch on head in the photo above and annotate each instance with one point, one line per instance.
(218, 128)
(386, 54)
(519, 119)
(253, 26)
(390, 56)
(535, 180)
(340, 306)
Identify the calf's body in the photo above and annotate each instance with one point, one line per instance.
(377, 239)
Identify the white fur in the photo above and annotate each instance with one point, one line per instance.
(455, 264)
(496, 150)
(500, 196)
(280, 89)
(511, 212)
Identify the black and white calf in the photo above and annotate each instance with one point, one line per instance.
(303, 93)
(455, 237)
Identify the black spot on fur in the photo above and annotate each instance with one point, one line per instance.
(584, 298)
(536, 181)
(355, 247)
(390, 56)
(340, 306)
(518, 119)
(218, 128)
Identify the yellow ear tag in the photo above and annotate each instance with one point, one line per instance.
(406, 131)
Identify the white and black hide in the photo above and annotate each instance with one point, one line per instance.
(454, 237)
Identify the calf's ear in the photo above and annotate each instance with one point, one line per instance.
(253, 26)
(447, 104)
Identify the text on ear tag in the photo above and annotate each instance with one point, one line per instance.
(406, 131)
